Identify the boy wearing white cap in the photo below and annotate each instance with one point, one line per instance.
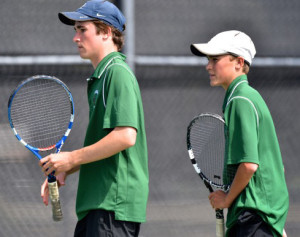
(258, 200)
(113, 180)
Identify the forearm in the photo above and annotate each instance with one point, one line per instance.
(116, 141)
(242, 177)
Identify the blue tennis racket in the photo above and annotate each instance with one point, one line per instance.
(41, 115)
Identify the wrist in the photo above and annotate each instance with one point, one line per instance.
(228, 200)
(74, 158)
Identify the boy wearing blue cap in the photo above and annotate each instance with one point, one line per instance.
(258, 199)
(113, 181)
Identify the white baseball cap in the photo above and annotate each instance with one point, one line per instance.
(227, 42)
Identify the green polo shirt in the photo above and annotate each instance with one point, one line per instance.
(118, 183)
(251, 137)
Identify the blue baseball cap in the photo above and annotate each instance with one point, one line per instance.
(95, 10)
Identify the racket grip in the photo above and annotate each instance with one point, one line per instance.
(220, 230)
(55, 201)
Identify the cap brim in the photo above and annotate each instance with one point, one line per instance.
(206, 49)
(69, 18)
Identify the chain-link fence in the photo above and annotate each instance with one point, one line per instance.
(172, 96)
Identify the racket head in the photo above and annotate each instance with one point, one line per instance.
(206, 147)
(41, 112)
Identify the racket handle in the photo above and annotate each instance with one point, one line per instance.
(55, 201)
(220, 227)
(220, 230)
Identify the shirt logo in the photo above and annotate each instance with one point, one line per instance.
(95, 96)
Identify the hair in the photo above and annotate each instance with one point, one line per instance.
(246, 67)
(117, 36)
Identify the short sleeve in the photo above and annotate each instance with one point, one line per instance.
(120, 98)
(242, 132)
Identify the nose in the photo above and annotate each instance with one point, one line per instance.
(76, 38)
(208, 65)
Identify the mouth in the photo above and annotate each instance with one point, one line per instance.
(210, 73)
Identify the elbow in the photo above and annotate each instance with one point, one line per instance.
(249, 168)
(130, 141)
(254, 167)
(128, 137)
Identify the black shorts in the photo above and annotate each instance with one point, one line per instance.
(250, 224)
(101, 223)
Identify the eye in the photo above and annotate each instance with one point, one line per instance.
(213, 59)
(80, 29)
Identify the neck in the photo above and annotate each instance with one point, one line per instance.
(104, 52)
(225, 86)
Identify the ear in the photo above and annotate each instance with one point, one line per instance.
(240, 63)
(108, 33)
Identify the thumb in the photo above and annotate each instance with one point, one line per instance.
(61, 179)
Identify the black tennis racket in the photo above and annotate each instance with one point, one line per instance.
(206, 148)
(41, 114)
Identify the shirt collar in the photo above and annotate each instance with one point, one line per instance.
(232, 87)
(105, 62)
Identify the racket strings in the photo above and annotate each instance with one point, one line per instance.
(229, 173)
(40, 112)
(208, 144)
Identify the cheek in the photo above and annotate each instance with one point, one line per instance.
(217, 69)
(94, 41)
(223, 69)
(90, 43)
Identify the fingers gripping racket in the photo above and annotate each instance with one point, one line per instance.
(206, 146)
(41, 114)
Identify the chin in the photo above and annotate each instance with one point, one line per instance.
(83, 56)
(213, 84)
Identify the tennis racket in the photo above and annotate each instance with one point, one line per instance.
(206, 148)
(41, 114)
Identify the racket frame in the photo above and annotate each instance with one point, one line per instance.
(220, 226)
(52, 182)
